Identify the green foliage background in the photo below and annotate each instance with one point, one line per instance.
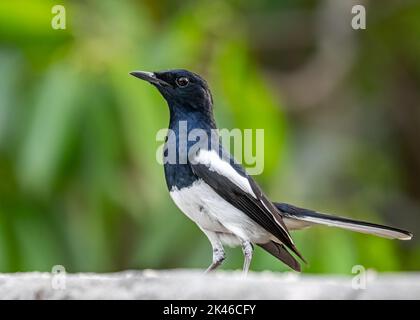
(79, 183)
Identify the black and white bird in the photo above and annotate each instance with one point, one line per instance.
(216, 192)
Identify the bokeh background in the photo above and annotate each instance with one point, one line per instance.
(79, 183)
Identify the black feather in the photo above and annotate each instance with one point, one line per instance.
(270, 220)
(293, 212)
(281, 253)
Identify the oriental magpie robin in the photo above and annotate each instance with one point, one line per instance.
(216, 192)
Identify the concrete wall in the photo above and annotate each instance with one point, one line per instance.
(193, 284)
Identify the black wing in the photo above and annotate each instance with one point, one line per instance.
(256, 206)
(280, 252)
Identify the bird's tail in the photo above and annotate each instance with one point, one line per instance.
(297, 218)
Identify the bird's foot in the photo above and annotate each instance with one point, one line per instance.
(218, 258)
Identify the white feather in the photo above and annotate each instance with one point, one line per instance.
(303, 222)
(211, 212)
(212, 160)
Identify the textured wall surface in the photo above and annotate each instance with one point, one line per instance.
(192, 284)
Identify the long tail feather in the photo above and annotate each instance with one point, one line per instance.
(296, 218)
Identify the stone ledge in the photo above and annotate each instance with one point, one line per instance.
(193, 284)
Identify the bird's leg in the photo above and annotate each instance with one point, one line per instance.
(247, 249)
(218, 257)
(218, 251)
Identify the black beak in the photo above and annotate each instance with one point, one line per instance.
(148, 76)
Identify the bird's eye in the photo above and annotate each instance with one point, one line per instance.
(182, 82)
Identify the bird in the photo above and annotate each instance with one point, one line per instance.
(211, 188)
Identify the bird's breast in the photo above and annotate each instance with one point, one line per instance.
(195, 202)
(210, 211)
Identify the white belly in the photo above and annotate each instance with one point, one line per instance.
(211, 212)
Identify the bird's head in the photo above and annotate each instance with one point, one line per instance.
(181, 89)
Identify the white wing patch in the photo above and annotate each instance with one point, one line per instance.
(212, 160)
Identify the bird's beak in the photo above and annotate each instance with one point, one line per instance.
(148, 76)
